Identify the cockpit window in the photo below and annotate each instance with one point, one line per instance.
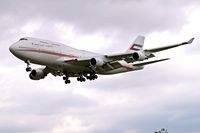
(23, 39)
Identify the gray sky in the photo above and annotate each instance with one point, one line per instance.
(162, 95)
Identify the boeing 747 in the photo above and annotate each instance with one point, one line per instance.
(65, 61)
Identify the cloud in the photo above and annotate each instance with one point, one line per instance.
(92, 15)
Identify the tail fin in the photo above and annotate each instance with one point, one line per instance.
(137, 44)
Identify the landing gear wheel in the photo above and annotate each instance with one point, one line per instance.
(67, 81)
(64, 78)
(81, 79)
(95, 76)
(28, 69)
(92, 76)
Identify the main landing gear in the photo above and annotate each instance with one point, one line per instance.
(66, 79)
(28, 68)
(81, 78)
(92, 76)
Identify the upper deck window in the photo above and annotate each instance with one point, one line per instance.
(23, 39)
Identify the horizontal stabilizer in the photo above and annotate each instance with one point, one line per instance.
(149, 62)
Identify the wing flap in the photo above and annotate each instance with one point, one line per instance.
(78, 61)
(119, 56)
(111, 66)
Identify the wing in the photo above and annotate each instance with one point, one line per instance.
(148, 52)
(168, 47)
(149, 62)
(78, 61)
(109, 62)
(53, 71)
(85, 61)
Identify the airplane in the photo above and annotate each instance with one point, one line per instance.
(65, 61)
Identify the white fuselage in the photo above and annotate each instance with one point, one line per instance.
(52, 54)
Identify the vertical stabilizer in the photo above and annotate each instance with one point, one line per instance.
(137, 44)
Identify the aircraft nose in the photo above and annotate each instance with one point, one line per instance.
(12, 48)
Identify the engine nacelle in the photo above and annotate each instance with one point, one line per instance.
(37, 74)
(139, 56)
(97, 62)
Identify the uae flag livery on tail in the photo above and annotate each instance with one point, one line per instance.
(137, 44)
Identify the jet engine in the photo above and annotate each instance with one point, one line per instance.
(139, 56)
(37, 74)
(97, 62)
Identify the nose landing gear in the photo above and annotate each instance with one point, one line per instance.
(28, 68)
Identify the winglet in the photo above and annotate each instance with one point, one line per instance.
(189, 42)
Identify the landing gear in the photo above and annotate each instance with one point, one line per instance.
(66, 79)
(28, 68)
(81, 79)
(92, 76)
